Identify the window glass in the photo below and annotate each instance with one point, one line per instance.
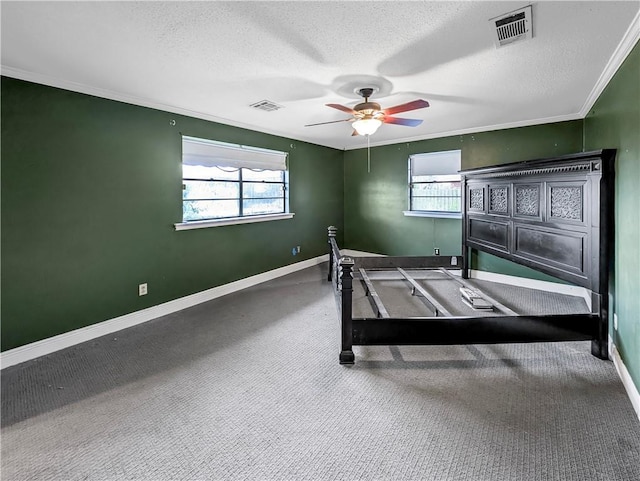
(202, 190)
(434, 182)
(210, 209)
(252, 190)
(262, 175)
(262, 206)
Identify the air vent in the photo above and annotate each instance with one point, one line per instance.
(266, 105)
(512, 27)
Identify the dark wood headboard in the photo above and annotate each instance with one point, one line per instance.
(554, 215)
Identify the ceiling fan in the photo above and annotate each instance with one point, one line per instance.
(368, 116)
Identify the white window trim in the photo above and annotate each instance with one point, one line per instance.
(201, 224)
(432, 213)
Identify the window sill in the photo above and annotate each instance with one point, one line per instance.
(201, 224)
(427, 213)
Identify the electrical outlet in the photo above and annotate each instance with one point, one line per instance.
(615, 321)
(142, 289)
(436, 251)
(298, 249)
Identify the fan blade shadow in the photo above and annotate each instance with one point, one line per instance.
(281, 90)
(266, 18)
(443, 98)
(439, 47)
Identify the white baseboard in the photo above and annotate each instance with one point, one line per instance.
(71, 338)
(629, 385)
(610, 347)
(352, 253)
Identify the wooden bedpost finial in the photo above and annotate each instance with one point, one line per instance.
(345, 273)
(347, 262)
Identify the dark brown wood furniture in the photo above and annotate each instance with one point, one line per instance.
(553, 215)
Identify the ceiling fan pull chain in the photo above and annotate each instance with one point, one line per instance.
(368, 155)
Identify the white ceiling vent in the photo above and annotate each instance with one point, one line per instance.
(512, 27)
(266, 105)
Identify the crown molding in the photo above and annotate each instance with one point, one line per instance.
(141, 102)
(132, 100)
(624, 48)
(475, 130)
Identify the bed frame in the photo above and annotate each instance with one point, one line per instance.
(554, 215)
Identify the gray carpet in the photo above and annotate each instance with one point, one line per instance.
(249, 387)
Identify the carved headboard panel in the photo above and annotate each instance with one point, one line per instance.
(554, 215)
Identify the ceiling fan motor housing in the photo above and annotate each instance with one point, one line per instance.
(367, 108)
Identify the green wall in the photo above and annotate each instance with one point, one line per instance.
(374, 200)
(614, 121)
(91, 189)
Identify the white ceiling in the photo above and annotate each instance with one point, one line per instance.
(213, 59)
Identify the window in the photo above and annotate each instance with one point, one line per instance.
(231, 184)
(434, 184)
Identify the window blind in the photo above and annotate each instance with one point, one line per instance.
(210, 153)
(435, 163)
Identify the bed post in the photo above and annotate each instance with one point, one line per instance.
(600, 342)
(332, 234)
(465, 248)
(346, 290)
(603, 189)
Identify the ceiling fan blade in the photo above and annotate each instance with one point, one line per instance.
(341, 107)
(416, 104)
(405, 122)
(331, 122)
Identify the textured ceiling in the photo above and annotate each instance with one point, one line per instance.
(213, 59)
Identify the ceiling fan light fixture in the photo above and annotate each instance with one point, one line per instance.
(367, 126)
